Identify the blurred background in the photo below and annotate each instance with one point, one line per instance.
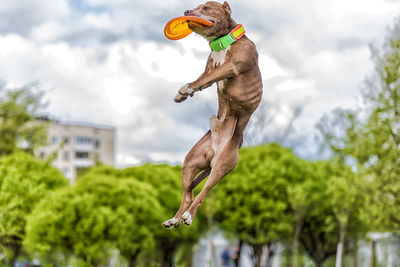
(91, 142)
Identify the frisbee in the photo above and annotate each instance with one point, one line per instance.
(178, 28)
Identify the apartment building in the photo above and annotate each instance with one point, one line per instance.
(78, 146)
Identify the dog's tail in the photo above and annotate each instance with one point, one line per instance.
(200, 178)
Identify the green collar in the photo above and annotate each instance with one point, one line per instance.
(225, 41)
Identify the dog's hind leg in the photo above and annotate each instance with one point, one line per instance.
(227, 139)
(225, 162)
(198, 159)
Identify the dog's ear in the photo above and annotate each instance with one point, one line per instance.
(227, 8)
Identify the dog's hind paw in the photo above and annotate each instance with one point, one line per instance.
(172, 222)
(187, 218)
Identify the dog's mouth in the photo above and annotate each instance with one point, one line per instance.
(204, 20)
(196, 24)
(209, 19)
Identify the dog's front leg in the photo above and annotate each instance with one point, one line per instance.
(190, 88)
(225, 71)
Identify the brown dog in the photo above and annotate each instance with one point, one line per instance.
(234, 67)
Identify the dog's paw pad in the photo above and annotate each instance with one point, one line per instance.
(187, 218)
(172, 222)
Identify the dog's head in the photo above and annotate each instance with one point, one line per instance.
(215, 12)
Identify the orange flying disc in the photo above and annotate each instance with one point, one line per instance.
(178, 28)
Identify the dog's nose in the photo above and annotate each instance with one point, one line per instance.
(188, 12)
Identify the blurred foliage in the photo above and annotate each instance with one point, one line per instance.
(335, 209)
(166, 181)
(274, 196)
(267, 199)
(98, 215)
(24, 181)
(252, 201)
(369, 138)
(18, 109)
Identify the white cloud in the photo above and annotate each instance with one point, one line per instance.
(48, 32)
(303, 85)
(101, 21)
(173, 62)
(50, 9)
(137, 3)
(270, 68)
(369, 7)
(12, 43)
(21, 16)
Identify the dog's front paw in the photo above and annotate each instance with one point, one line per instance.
(187, 218)
(186, 90)
(180, 98)
(183, 93)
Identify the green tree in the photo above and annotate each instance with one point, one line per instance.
(303, 197)
(252, 202)
(369, 138)
(99, 215)
(166, 181)
(18, 108)
(347, 202)
(335, 211)
(319, 234)
(24, 181)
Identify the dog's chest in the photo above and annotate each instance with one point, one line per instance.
(218, 58)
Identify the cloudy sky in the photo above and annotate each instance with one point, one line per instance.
(108, 62)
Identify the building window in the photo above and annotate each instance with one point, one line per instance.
(65, 171)
(97, 143)
(54, 140)
(42, 155)
(66, 141)
(66, 156)
(82, 155)
(82, 140)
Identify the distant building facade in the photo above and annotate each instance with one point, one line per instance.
(78, 146)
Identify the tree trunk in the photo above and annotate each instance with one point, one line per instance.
(168, 255)
(239, 251)
(210, 222)
(299, 225)
(373, 254)
(339, 255)
(16, 251)
(355, 255)
(320, 254)
(93, 263)
(270, 254)
(133, 258)
(340, 247)
(189, 262)
(257, 254)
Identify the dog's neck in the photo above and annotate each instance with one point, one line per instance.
(231, 25)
